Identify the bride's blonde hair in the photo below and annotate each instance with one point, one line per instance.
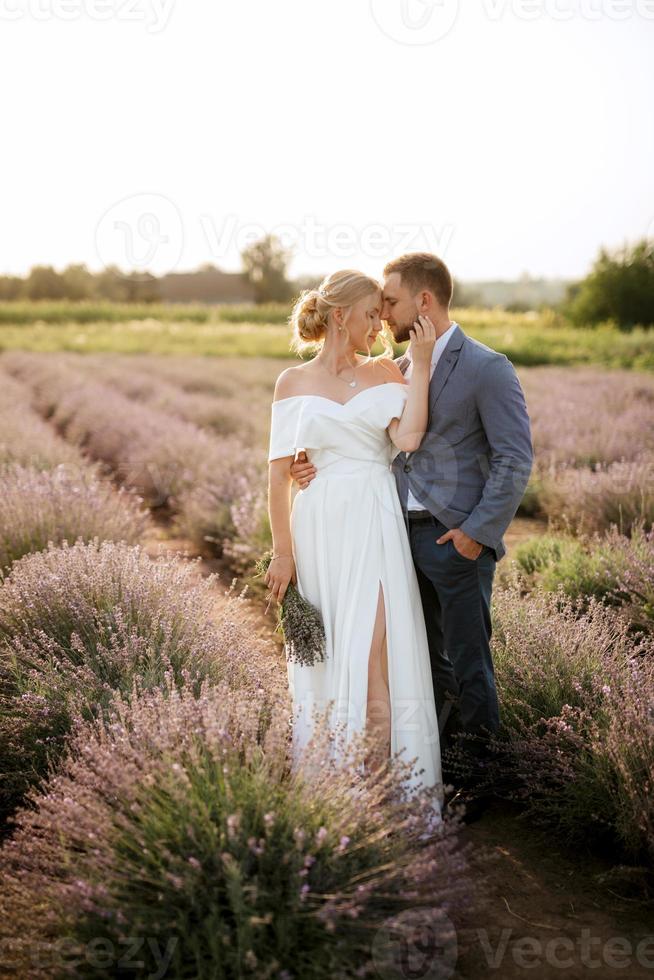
(310, 314)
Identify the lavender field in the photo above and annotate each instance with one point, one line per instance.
(147, 810)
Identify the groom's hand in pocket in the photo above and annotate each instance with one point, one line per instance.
(302, 470)
(464, 544)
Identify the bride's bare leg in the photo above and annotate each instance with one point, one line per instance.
(378, 715)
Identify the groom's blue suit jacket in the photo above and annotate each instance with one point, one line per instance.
(473, 465)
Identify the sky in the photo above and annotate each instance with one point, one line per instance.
(507, 137)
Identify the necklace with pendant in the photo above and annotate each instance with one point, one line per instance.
(352, 384)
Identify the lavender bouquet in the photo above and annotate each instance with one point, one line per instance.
(300, 623)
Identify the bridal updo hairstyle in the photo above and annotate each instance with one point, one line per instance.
(311, 311)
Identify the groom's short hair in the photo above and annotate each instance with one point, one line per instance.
(422, 270)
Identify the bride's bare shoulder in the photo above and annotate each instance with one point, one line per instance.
(390, 369)
(289, 382)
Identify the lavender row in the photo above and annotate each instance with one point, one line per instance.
(78, 623)
(49, 492)
(175, 832)
(577, 713)
(221, 414)
(211, 485)
(593, 433)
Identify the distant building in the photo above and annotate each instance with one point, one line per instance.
(206, 285)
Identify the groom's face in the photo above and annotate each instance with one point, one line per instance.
(399, 308)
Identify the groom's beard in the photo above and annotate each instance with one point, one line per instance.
(401, 333)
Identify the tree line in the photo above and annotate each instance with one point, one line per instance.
(619, 287)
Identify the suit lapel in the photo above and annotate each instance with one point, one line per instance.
(446, 364)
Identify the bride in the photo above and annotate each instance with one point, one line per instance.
(343, 542)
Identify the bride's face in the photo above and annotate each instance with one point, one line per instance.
(363, 322)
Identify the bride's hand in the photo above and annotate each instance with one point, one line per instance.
(423, 338)
(281, 572)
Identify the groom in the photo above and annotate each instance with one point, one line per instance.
(459, 492)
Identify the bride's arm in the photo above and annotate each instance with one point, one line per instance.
(408, 431)
(282, 569)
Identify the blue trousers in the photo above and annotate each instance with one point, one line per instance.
(456, 597)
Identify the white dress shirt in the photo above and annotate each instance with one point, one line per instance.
(439, 347)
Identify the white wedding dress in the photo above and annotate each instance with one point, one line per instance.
(348, 535)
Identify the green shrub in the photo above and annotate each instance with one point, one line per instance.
(613, 568)
(619, 288)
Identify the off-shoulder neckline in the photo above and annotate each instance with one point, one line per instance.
(324, 398)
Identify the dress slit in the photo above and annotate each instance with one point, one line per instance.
(381, 677)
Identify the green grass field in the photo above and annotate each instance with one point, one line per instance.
(526, 338)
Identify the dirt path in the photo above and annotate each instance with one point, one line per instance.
(253, 610)
(548, 907)
(520, 529)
